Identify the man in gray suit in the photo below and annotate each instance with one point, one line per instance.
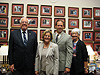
(64, 42)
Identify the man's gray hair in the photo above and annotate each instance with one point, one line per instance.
(76, 30)
(23, 18)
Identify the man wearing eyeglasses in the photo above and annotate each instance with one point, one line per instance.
(22, 49)
(64, 42)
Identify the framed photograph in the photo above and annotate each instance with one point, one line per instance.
(59, 11)
(96, 12)
(15, 21)
(46, 10)
(86, 24)
(86, 12)
(55, 20)
(3, 34)
(41, 33)
(33, 22)
(32, 9)
(4, 9)
(73, 23)
(73, 12)
(46, 22)
(96, 24)
(89, 43)
(97, 47)
(3, 21)
(12, 30)
(3, 43)
(69, 32)
(35, 31)
(97, 36)
(87, 36)
(17, 9)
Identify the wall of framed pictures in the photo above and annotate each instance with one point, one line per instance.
(43, 14)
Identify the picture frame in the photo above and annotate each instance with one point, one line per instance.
(69, 32)
(97, 36)
(15, 21)
(96, 12)
(3, 34)
(73, 12)
(59, 11)
(46, 22)
(73, 23)
(3, 21)
(35, 31)
(89, 43)
(17, 9)
(97, 47)
(46, 10)
(87, 24)
(87, 35)
(3, 43)
(33, 22)
(4, 9)
(55, 20)
(12, 30)
(32, 9)
(86, 12)
(96, 24)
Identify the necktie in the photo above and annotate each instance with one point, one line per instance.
(57, 38)
(25, 40)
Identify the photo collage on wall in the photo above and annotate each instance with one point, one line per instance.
(40, 17)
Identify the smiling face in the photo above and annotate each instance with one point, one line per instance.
(75, 36)
(24, 24)
(47, 37)
(59, 27)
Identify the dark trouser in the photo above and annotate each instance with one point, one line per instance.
(62, 73)
(24, 72)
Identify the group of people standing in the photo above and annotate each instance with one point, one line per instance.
(57, 54)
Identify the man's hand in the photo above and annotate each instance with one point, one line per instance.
(37, 72)
(12, 67)
(67, 70)
(86, 71)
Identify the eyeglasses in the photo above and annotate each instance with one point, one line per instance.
(46, 35)
(24, 22)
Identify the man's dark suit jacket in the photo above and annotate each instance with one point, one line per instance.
(81, 55)
(23, 57)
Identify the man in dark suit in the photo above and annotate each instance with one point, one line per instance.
(80, 55)
(22, 49)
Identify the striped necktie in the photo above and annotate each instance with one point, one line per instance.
(25, 40)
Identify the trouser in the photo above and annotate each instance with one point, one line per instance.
(62, 73)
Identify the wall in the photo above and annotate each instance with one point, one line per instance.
(67, 3)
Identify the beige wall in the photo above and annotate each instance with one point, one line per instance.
(67, 3)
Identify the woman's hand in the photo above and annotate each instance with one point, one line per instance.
(37, 72)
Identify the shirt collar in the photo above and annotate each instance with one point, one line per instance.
(25, 31)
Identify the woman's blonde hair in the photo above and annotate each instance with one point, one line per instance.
(47, 31)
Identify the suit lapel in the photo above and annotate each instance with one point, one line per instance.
(49, 49)
(29, 36)
(20, 36)
(40, 49)
(62, 36)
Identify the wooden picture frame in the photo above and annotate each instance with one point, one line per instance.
(97, 36)
(86, 12)
(41, 33)
(96, 12)
(73, 12)
(87, 24)
(33, 22)
(3, 43)
(17, 9)
(97, 47)
(3, 21)
(32, 9)
(15, 21)
(59, 11)
(73, 23)
(3, 34)
(96, 24)
(4, 9)
(46, 22)
(87, 35)
(46, 10)
(55, 20)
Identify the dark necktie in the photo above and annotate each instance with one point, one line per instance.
(25, 40)
(57, 38)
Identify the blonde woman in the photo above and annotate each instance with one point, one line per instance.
(47, 57)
